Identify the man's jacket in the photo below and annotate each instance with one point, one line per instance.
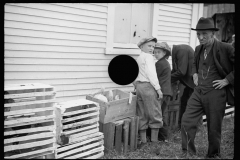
(223, 55)
(182, 60)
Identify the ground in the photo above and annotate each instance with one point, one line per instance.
(172, 150)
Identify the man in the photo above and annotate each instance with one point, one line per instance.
(148, 92)
(213, 75)
(182, 60)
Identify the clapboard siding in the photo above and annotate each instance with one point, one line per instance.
(60, 44)
(173, 24)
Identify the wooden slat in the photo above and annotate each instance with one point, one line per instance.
(174, 9)
(176, 15)
(177, 5)
(39, 155)
(53, 35)
(118, 138)
(26, 86)
(81, 123)
(81, 129)
(28, 145)
(126, 135)
(31, 153)
(72, 138)
(29, 103)
(54, 22)
(80, 117)
(51, 42)
(97, 156)
(136, 131)
(51, 28)
(174, 19)
(109, 132)
(173, 24)
(81, 111)
(174, 29)
(69, 147)
(33, 94)
(176, 34)
(168, 38)
(53, 15)
(29, 137)
(80, 149)
(25, 121)
(86, 153)
(65, 8)
(20, 112)
(132, 133)
(30, 130)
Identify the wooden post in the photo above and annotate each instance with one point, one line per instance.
(136, 131)
(132, 134)
(118, 139)
(108, 131)
(126, 134)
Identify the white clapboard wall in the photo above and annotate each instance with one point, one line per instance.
(60, 44)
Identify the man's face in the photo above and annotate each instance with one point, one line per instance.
(159, 53)
(148, 47)
(205, 36)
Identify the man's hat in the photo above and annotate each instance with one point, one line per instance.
(205, 24)
(164, 46)
(145, 40)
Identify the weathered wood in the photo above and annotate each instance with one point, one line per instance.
(97, 156)
(126, 135)
(12, 87)
(101, 127)
(109, 132)
(29, 137)
(80, 117)
(81, 111)
(29, 103)
(81, 123)
(132, 134)
(38, 156)
(86, 153)
(20, 112)
(75, 136)
(30, 153)
(79, 139)
(28, 145)
(118, 138)
(80, 149)
(69, 147)
(95, 125)
(136, 131)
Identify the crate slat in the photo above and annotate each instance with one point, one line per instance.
(30, 130)
(33, 94)
(99, 155)
(29, 103)
(81, 111)
(68, 147)
(75, 103)
(30, 153)
(28, 145)
(27, 120)
(86, 153)
(27, 86)
(39, 155)
(83, 138)
(81, 129)
(81, 123)
(80, 117)
(73, 138)
(19, 112)
(79, 149)
(29, 137)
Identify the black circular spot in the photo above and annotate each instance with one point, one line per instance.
(123, 69)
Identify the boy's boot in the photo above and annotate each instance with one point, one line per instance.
(143, 137)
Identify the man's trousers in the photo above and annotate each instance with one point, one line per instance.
(213, 104)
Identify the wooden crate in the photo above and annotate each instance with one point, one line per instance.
(117, 109)
(91, 147)
(77, 130)
(28, 120)
(121, 135)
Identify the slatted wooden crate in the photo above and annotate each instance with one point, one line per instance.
(77, 130)
(28, 120)
(122, 135)
(117, 109)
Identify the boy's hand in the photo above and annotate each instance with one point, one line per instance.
(195, 79)
(160, 95)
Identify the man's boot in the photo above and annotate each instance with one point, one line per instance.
(154, 134)
(143, 137)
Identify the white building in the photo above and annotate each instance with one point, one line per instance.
(69, 45)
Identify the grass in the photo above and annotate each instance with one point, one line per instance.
(172, 150)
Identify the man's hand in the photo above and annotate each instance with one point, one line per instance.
(160, 95)
(195, 79)
(219, 84)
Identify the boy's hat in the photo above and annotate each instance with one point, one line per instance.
(145, 40)
(205, 24)
(164, 46)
